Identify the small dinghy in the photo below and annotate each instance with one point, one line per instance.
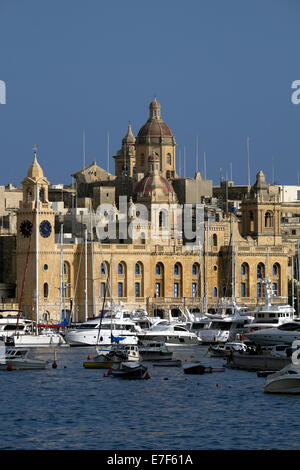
(130, 370)
(198, 368)
(105, 359)
(175, 363)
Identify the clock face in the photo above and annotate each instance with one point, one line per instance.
(26, 228)
(45, 228)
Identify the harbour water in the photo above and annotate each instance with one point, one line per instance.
(73, 408)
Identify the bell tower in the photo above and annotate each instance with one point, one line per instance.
(261, 212)
(35, 242)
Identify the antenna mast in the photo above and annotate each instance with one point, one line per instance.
(248, 152)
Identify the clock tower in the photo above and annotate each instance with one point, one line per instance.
(35, 244)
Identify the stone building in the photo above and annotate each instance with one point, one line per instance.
(138, 250)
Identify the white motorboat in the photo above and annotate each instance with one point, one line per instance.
(287, 380)
(270, 314)
(229, 321)
(43, 339)
(155, 352)
(113, 327)
(285, 333)
(9, 325)
(142, 320)
(222, 350)
(20, 359)
(172, 334)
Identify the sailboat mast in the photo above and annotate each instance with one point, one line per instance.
(61, 269)
(233, 264)
(37, 257)
(85, 277)
(207, 253)
(92, 264)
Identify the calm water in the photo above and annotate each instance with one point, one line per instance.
(72, 408)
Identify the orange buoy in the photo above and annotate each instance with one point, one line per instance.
(109, 372)
(89, 356)
(9, 367)
(147, 376)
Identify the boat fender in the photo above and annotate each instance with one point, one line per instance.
(9, 367)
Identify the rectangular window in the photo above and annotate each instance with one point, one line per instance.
(102, 289)
(243, 289)
(120, 289)
(157, 289)
(137, 289)
(258, 289)
(194, 289)
(176, 289)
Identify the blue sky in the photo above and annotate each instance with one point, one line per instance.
(221, 69)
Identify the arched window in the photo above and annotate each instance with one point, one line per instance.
(276, 269)
(260, 270)
(137, 269)
(251, 220)
(195, 269)
(268, 219)
(169, 159)
(244, 269)
(215, 292)
(163, 219)
(46, 289)
(176, 269)
(120, 268)
(215, 240)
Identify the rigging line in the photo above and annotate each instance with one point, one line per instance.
(78, 271)
(106, 273)
(101, 316)
(26, 266)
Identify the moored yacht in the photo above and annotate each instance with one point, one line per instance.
(287, 380)
(229, 321)
(9, 325)
(113, 326)
(285, 333)
(270, 314)
(172, 334)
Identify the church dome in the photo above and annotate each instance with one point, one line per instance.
(145, 186)
(155, 126)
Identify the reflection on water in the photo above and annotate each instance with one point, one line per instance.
(76, 408)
